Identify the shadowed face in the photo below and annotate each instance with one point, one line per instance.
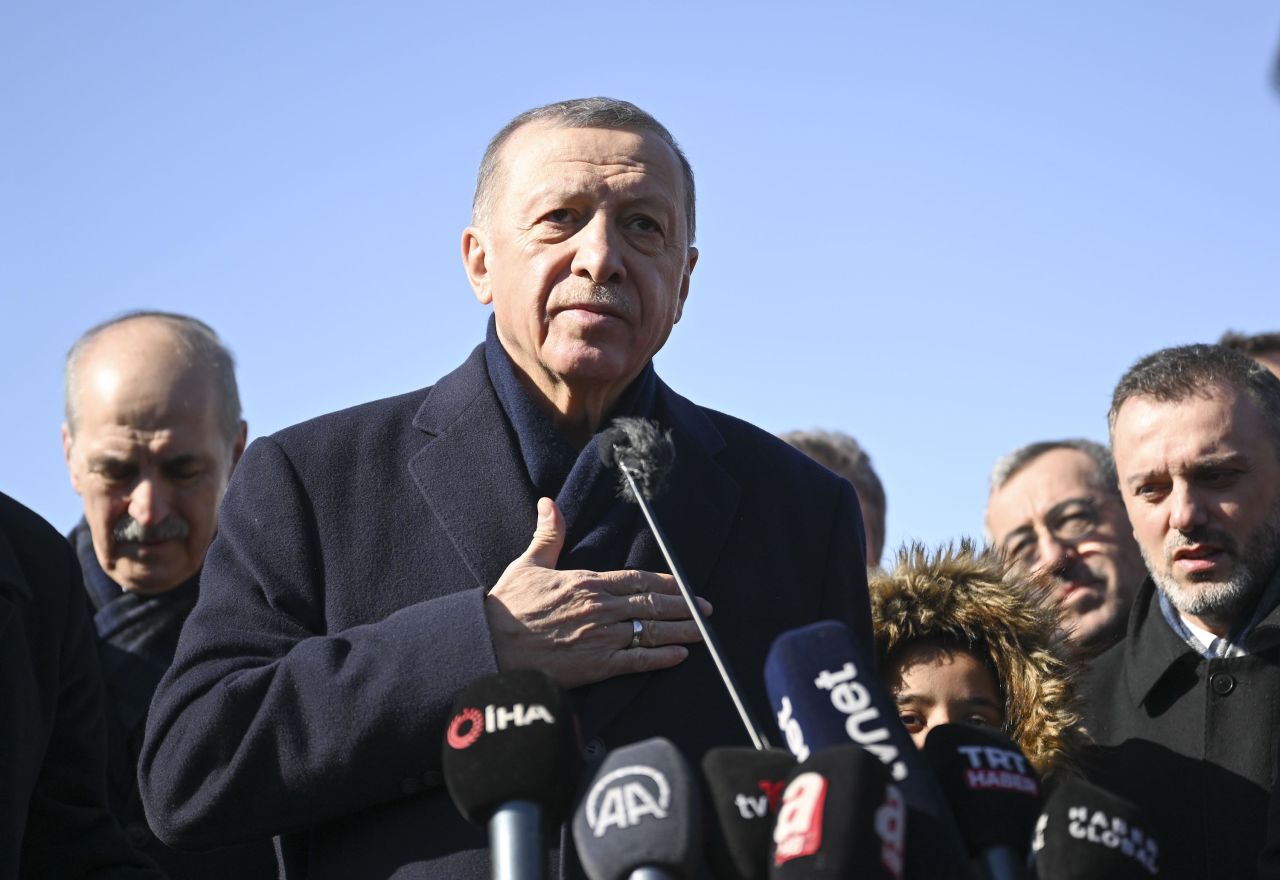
(1052, 516)
(584, 256)
(935, 685)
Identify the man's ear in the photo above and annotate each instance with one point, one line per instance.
(475, 259)
(684, 280)
(67, 444)
(237, 449)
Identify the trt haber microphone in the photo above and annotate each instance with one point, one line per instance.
(1086, 832)
(640, 818)
(841, 816)
(743, 787)
(993, 791)
(825, 692)
(511, 760)
(643, 454)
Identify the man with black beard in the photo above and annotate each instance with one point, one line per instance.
(1186, 710)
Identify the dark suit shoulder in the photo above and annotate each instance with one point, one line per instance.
(388, 415)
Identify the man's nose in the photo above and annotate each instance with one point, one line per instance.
(598, 257)
(1186, 509)
(149, 501)
(1053, 552)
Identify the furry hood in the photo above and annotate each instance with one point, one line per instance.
(968, 596)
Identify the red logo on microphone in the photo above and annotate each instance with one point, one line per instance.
(465, 728)
(799, 829)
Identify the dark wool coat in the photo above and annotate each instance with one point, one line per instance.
(1191, 741)
(341, 610)
(137, 635)
(54, 820)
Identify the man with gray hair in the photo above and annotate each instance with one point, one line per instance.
(1186, 709)
(843, 455)
(1054, 507)
(152, 432)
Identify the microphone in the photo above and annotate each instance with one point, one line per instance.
(1087, 832)
(823, 687)
(511, 760)
(743, 788)
(640, 819)
(643, 455)
(841, 816)
(993, 791)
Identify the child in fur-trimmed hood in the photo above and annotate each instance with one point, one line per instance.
(960, 639)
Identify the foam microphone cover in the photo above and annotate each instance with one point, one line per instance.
(992, 788)
(1087, 832)
(640, 811)
(743, 787)
(841, 816)
(512, 737)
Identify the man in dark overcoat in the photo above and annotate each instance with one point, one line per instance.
(1187, 706)
(372, 562)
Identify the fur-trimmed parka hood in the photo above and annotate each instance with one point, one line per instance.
(961, 594)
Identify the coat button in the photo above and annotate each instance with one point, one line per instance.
(1222, 683)
(593, 749)
(411, 785)
(139, 835)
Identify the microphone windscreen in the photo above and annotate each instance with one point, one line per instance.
(1087, 832)
(992, 788)
(841, 816)
(512, 737)
(640, 811)
(646, 451)
(743, 787)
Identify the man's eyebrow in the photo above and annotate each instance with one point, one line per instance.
(1057, 509)
(1018, 532)
(903, 699)
(1213, 461)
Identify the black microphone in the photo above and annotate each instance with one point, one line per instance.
(841, 816)
(993, 791)
(512, 760)
(1086, 832)
(743, 787)
(643, 454)
(640, 819)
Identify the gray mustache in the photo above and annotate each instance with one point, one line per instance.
(603, 295)
(128, 530)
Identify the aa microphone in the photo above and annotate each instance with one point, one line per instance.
(824, 689)
(1086, 832)
(643, 455)
(743, 787)
(993, 791)
(640, 818)
(511, 760)
(841, 816)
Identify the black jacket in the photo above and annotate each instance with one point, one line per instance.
(1190, 740)
(54, 821)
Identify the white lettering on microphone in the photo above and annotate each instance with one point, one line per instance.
(863, 725)
(1114, 832)
(623, 798)
(798, 831)
(790, 728)
(469, 723)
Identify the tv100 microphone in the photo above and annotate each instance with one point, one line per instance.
(512, 761)
(640, 818)
(824, 689)
(744, 787)
(993, 791)
(841, 816)
(1086, 832)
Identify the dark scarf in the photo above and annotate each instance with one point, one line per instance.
(600, 527)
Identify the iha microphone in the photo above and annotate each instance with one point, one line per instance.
(993, 791)
(743, 786)
(841, 816)
(643, 454)
(640, 818)
(823, 687)
(1086, 832)
(511, 760)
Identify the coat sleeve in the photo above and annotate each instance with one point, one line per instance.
(266, 722)
(845, 597)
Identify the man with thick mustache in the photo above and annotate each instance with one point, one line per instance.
(1187, 708)
(370, 563)
(152, 432)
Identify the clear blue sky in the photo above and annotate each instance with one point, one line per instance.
(946, 228)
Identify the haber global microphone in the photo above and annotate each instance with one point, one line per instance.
(643, 454)
(640, 818)
(841, 816)
(744, 786)
(1086, 832)
(994, 793)
(511, 760)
